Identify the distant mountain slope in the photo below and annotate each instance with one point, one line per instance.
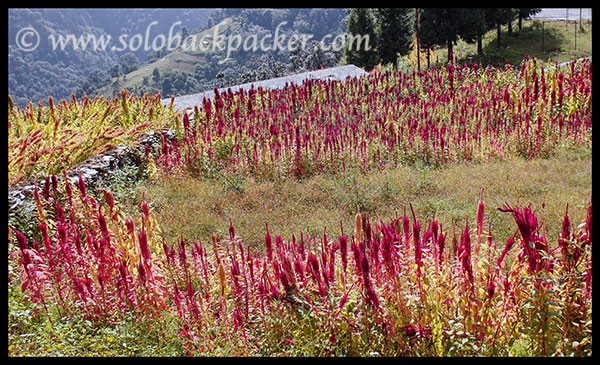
(34, 75)
(47, 70)
(202, 67)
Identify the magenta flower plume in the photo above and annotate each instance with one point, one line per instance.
(509, 245)
(480, 213)
(417, 241)
(464, 252)
(565, 235)
(269, 243)
(143, 241)
(534, 245)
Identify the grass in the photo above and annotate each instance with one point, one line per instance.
(195, 209)
(559, 44)
(31, 334)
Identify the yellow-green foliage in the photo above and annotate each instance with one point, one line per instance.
(45, 140)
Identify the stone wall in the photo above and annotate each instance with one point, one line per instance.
(94, 168)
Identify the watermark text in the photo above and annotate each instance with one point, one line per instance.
(218, 41)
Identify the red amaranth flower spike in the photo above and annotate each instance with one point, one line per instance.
(507, 247)
(81, 186)
(464, 252)
(480, 213)
(417, 241)
(143, 241)
(534, 245)
(343, 242)
(231, 230)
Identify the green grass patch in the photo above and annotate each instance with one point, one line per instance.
(195, 209)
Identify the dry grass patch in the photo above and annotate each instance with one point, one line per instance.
(195, 209)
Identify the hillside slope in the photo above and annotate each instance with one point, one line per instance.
(201, 64)
(49, 70)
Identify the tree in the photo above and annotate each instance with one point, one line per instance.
(361, 34)
(480, 27)
(444, 26)
(115, 70)
(524, 13)
(496, 17)
(155, 74)
(92, 82)
(129, 62)
(394, 32)
(184, 33)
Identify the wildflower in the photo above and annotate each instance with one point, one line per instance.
(182, 255)
(130, 225)
(143, 241)
(109, 198)
(166, 250)
(387, 245)
(370, 294)
(301, 250)
(367, 227)
(231, 229)
(565, 234)
(356, 254)
(278, 243)
(509, 244)
(343, 242)
(441, 242)
(313, 263)
(288, 269)
(406, 227)
(60, 214)
(588, 223)
(534, 245)
(46, 188)
(102, 224)
(141, 272)
(417, 242)
(345, 297)
(464, 252)
(177, 301)
(221, 276)
(145, 208)
(22, 242)
(480, 211)
(81, 186)
(299, 269)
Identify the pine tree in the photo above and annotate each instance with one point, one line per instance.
(359, 49)
(524, 13)
(444, 26)
(394, 32)
(495, 17)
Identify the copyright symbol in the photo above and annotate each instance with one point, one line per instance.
(27, 39)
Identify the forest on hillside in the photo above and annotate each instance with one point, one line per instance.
(34, 75)
(200, 71)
